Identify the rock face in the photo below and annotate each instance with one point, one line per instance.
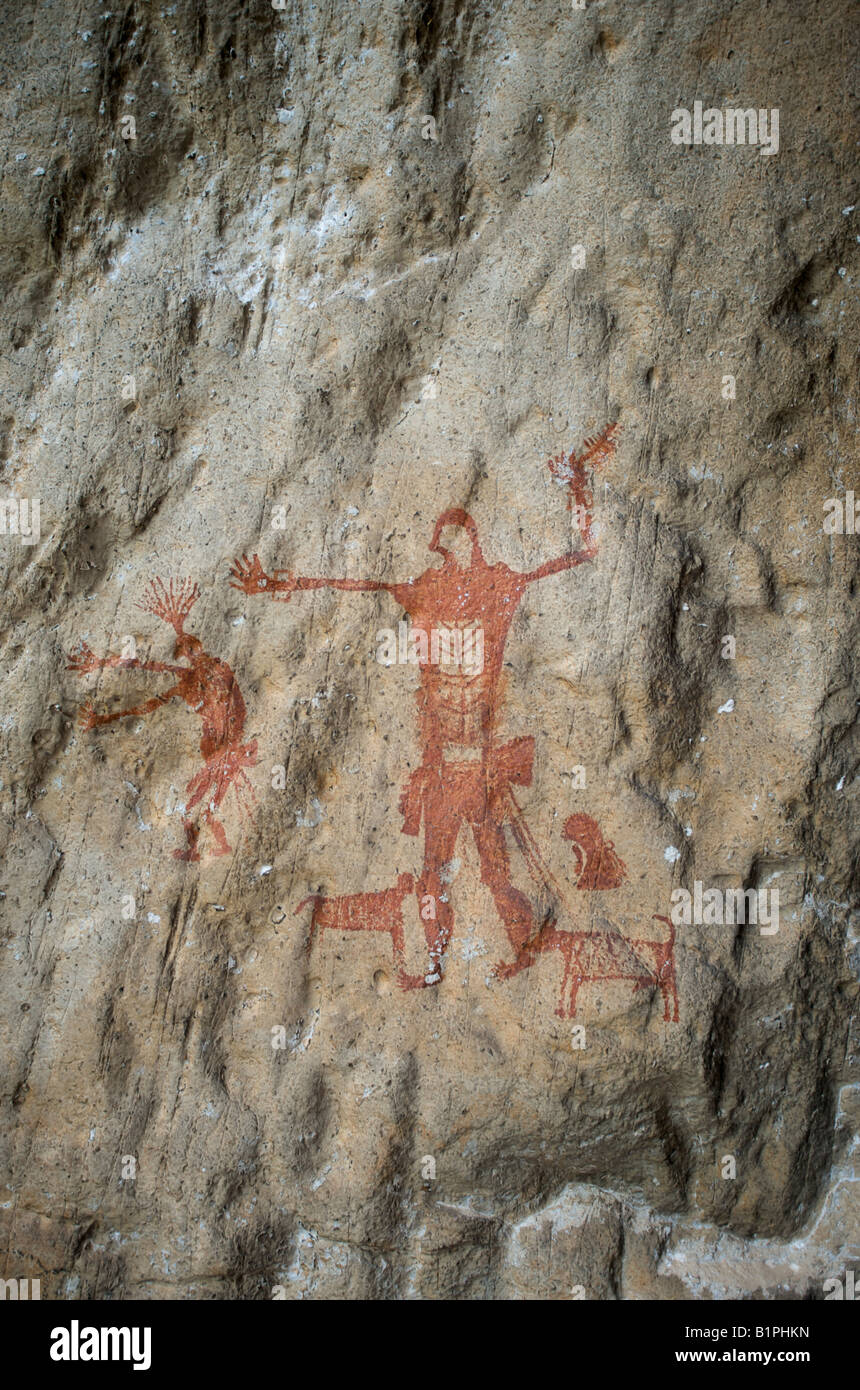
(292, 282)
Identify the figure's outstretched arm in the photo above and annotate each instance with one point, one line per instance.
(83, 660)
(90, 720)
(250, 577)
(562, 562)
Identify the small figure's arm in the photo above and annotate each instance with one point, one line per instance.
(250, 577)
(83, 660)
(90, 720)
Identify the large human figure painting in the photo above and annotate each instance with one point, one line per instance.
(466, 776)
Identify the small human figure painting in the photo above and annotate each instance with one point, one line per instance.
(209, 688)
(466, 775)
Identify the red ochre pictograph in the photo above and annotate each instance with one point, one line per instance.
(467, 777)
(209, 688)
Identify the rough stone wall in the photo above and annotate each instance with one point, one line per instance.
(285, 312)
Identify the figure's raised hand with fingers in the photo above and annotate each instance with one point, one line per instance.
(596, 451)
(87, 717)
(171, 602)
(249, 576)
(83, 660)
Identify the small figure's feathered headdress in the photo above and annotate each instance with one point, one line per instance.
(172, 602)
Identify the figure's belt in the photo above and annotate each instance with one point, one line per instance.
(461, 753)
(504, 762)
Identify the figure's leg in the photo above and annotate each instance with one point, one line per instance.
(196, 787)
(222, 777)
(220, 835)
(441, 828)
(201, 785)
(246, 797)
(399, 943)
(513, 906)
(191, 853)
(528, 937)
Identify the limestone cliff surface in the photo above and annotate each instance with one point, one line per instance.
(291, 282)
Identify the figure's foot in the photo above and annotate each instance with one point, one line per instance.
(220, 850)
(407, 981)
(190, 855)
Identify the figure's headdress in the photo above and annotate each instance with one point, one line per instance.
(455, 516)
(172, 602)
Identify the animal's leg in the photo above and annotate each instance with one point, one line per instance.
(405, 887)
(313, 926)
(666, 972)
(568, 948)
(568, 957)
(669, 991)
(575, 982)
